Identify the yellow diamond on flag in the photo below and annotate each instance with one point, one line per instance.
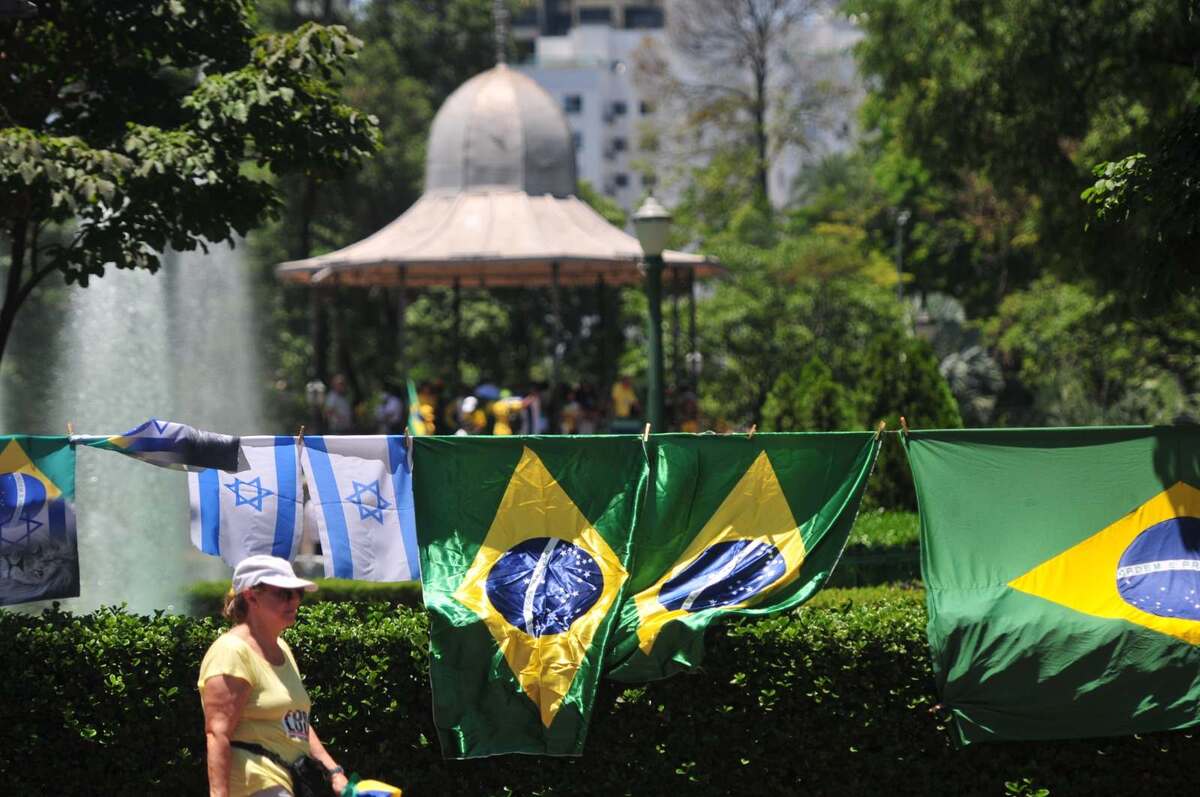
(14, 460)
(1144, 568)
(542, 582)
(750, 547)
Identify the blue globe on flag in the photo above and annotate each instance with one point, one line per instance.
(1159, 572)
(21, 497)
(544, 584)
(724, 574)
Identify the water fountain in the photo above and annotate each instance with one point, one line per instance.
(179, 345)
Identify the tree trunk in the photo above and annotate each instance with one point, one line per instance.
(12, 293)
(760, 133)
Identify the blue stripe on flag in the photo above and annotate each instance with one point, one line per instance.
(331, 506)
(285, 495)
(210, 512)
(402, 486)
(58, 519)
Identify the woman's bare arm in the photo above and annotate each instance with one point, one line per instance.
(224, 697)
(318, 751)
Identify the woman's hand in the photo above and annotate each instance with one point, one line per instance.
(339, 782)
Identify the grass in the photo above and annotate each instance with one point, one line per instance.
(879, 528)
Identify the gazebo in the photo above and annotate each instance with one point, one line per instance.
(499, 210)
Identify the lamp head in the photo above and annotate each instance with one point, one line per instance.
(652, 223)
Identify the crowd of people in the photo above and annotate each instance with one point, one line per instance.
(489, 409)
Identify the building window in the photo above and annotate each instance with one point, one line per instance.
(572, 103)
(649, 181)
(645, 108)
(577, 140)
(595, 16)
(621, 180)
(619, 145)
(619, 108)
(643, 17)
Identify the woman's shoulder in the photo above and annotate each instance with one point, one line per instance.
(229, 654)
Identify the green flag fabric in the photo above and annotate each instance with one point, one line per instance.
(524, 548)
(738, 525)
(39, 557)
(1062, 574)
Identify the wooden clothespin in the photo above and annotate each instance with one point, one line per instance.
(880, 428)
(70, 429)
(753, 429)
(300, 436)
(646, 434)
(904, 425)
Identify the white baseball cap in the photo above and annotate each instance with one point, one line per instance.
(263, 569)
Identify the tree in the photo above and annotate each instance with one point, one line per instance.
(137, 127)
(1014, 102)
(747, 80)
(1086, 362)
(1155, 199)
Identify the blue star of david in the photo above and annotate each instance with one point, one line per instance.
(373, 511)
(32, 524)
(161, 426)
(255, 500)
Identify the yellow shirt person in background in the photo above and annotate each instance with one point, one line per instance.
(251, 690)
(624, 399)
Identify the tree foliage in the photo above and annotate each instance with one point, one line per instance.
(1015, 102)
(146, 126)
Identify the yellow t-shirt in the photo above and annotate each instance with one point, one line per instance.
(275, 715)
(623, 400)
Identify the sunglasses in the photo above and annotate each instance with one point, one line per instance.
(282, 593)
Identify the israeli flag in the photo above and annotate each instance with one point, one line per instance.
(257, 510)
(363, 490)
(171, 445)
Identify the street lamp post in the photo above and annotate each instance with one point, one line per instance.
(653, 223)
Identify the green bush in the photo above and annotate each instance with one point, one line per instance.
(882, 549)
(206, 598)
(810, 402)
(834, 698)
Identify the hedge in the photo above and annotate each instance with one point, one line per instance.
(832, 699)
(882, 549)
(206, 598)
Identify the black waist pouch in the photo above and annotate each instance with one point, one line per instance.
(307, 774)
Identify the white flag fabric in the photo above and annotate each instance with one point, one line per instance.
(257, 510)
(362, 486)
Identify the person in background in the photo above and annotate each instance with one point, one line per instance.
(339, 418)
(624, 399)
(506, 414)
(256, 709)
(389, 415)
(533, 419)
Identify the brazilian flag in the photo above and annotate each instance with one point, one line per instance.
(39, 557)
(1062, 574)
(738, 525)
(524, 551)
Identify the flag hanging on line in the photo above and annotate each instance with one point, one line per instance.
(362, 487)
(256, 510)
(524, 545)
(39, 557)
(1062, 576)
(171, 445)
(742, 526)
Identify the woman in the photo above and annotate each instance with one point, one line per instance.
(255, 706)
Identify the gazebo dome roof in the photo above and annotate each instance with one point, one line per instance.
(500, 130)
